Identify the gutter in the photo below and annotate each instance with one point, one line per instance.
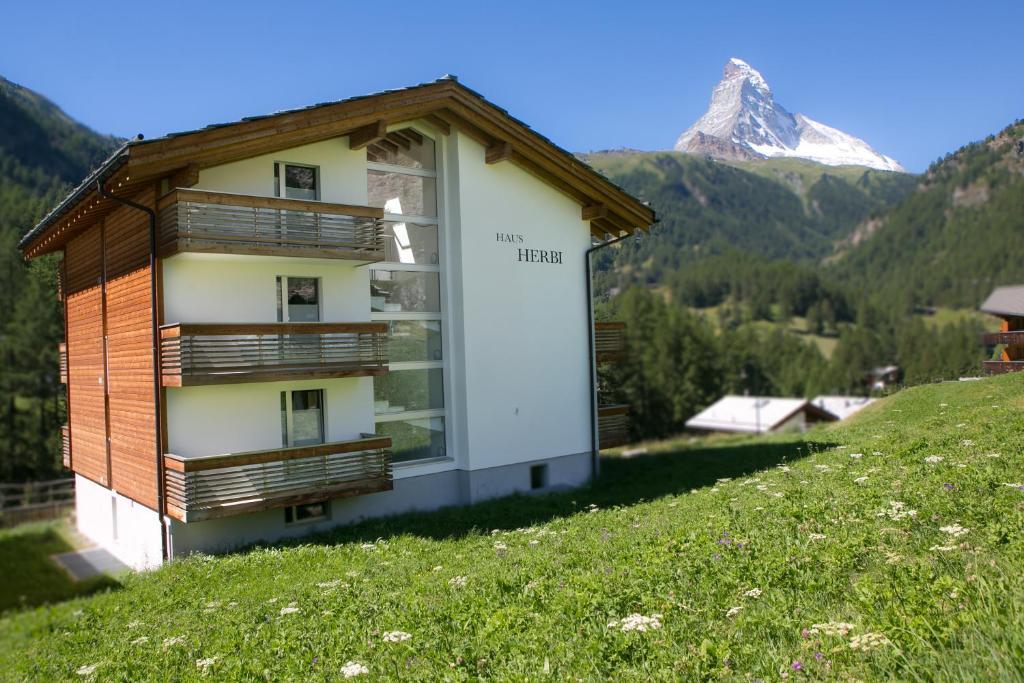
(595, 467)
(160, 492)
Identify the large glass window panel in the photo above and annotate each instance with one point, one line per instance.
(299, 298)
(300, 182)
(410, 243)
(403, 148)
(399, 193)
(305, 423)
(401, 391)
(414, 439)
(414, 340)
(396, 291)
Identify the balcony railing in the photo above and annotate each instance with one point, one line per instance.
(1000, 367)
(65, 446)
(224, 485)
(1014, 338)
(194, 354)
(613, 425)
(62, 354)
(220, 222)
(610, 341)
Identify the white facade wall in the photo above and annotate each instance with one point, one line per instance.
(524, 325)
(128, 530)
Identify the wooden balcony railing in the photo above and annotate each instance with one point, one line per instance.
(194, 354)
(224, 485)
(1013, 338)
(612, 425)
(1000, 367)
(65, 446)
(220, 222)
(610, 341)
(62, 354)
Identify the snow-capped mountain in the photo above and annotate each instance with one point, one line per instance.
(745, 122)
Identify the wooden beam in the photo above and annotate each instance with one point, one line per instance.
(500, 151)
(594, 211)
(361, 137)
(439, 123)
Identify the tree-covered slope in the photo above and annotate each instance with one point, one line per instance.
(956, 237)
(777, 209)
(42, 152)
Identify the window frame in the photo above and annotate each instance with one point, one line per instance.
(281, 285)
(288, 436)
(280, 171)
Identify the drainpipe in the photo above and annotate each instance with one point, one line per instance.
(154, 314)
(595, 467)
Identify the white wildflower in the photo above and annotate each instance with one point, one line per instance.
(753, 593)
(333, 583)
(175, 640)
(762, 487)
(877, 453)
(868, 641)
(831, 628)
(823, 468)
(290, 609)
(353, 669)
(500, 547)
(860, 480)
(458, 581)
(897, 510)
(933, 459)
(954, 530)
(438, 568)
(141, 640)
(817, 537)
(135, 623)
(856, 456)
(967, 442)
(533, 543)
(942, 548)
(87, 670)
(204, 664)
(784, 468)
(396, 636)
(368, 546)
(722, 480)
(733, 611)
(637, 622)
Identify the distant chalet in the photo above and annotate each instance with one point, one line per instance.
(1006, 303)
(758, 415)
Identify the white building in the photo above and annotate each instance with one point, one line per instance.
(842, 406)
(363, 308)
(758, 414)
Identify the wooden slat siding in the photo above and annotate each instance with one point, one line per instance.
(212, 353)
(65, 446)
(62, 355)
(84, 334)
(610, 341)
(1001, 367)
(613, 425)
(226, 485)
(130, 354)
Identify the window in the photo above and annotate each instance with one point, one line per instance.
(538, 476)
(302, 417)
(298, 299)
(405, 291)
(307, 512)
(295, 181)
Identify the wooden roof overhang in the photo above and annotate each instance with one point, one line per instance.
(445, 104)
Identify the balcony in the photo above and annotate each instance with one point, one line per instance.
(1001, 367)
(1013, 338)
(224, 223)
(610, 342)
(197, 354)
(65, 446)
(612, 425)
(224, 485)
(62, 354)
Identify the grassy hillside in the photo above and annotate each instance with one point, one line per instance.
(888, 548)
(955, 238)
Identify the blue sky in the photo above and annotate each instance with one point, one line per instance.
(914, 79)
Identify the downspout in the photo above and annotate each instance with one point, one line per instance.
(154, 314)
(594, 445)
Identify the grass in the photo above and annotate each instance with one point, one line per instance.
(526, 589)
(29, 576)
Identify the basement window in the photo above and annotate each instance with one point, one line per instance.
(538, 477)
(307, 512)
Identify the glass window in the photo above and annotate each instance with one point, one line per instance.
(414, 340)
(410, 243)
(298, 299)
(399, 193)
(409, 291)
(303, 418)
(293, 181)
(414, 439)
(401, 391)
(307, 512)
(403, 148)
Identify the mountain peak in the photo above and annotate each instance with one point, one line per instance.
(744, 120)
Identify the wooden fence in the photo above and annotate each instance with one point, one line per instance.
(35, 500)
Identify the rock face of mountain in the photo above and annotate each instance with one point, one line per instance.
(744, 121)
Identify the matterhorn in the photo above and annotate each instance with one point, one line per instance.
(745, 122)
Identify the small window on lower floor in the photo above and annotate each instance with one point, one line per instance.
(538, 476)
(307, 512)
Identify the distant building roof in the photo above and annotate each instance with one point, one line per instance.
(842, 406)
(753, 414)
(1005, 301)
